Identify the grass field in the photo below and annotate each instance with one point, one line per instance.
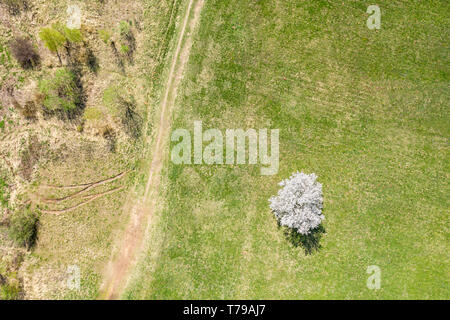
(366, 110)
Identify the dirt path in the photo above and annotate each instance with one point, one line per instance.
(119, 269)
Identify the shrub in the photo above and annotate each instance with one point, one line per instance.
(128, 45)
(298, 204)
(29, 110)
(16, 6)
(124, 48)
(4, 195)
(124, 29)
(23, 227)
(24, 52)
(110, 137)
(105, 35)
(61, 93)
(10, 291)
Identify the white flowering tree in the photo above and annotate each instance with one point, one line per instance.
(299, 203)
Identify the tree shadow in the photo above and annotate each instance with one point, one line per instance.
(131, 43)
(92, 61)
(76, 113)
(117, 56)
(309, 243)
(131, 120)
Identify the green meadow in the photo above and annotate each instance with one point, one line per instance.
(366, 110)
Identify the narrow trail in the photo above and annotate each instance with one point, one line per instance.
(90, 184)
(119, 268)
(86, 188)
(89, 198)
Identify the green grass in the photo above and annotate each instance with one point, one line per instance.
(365, 110)
(4, 196)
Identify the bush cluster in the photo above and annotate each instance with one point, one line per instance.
(29, 110)
(61, 93)
(15, 6)
(24, 52)
(23, 227)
